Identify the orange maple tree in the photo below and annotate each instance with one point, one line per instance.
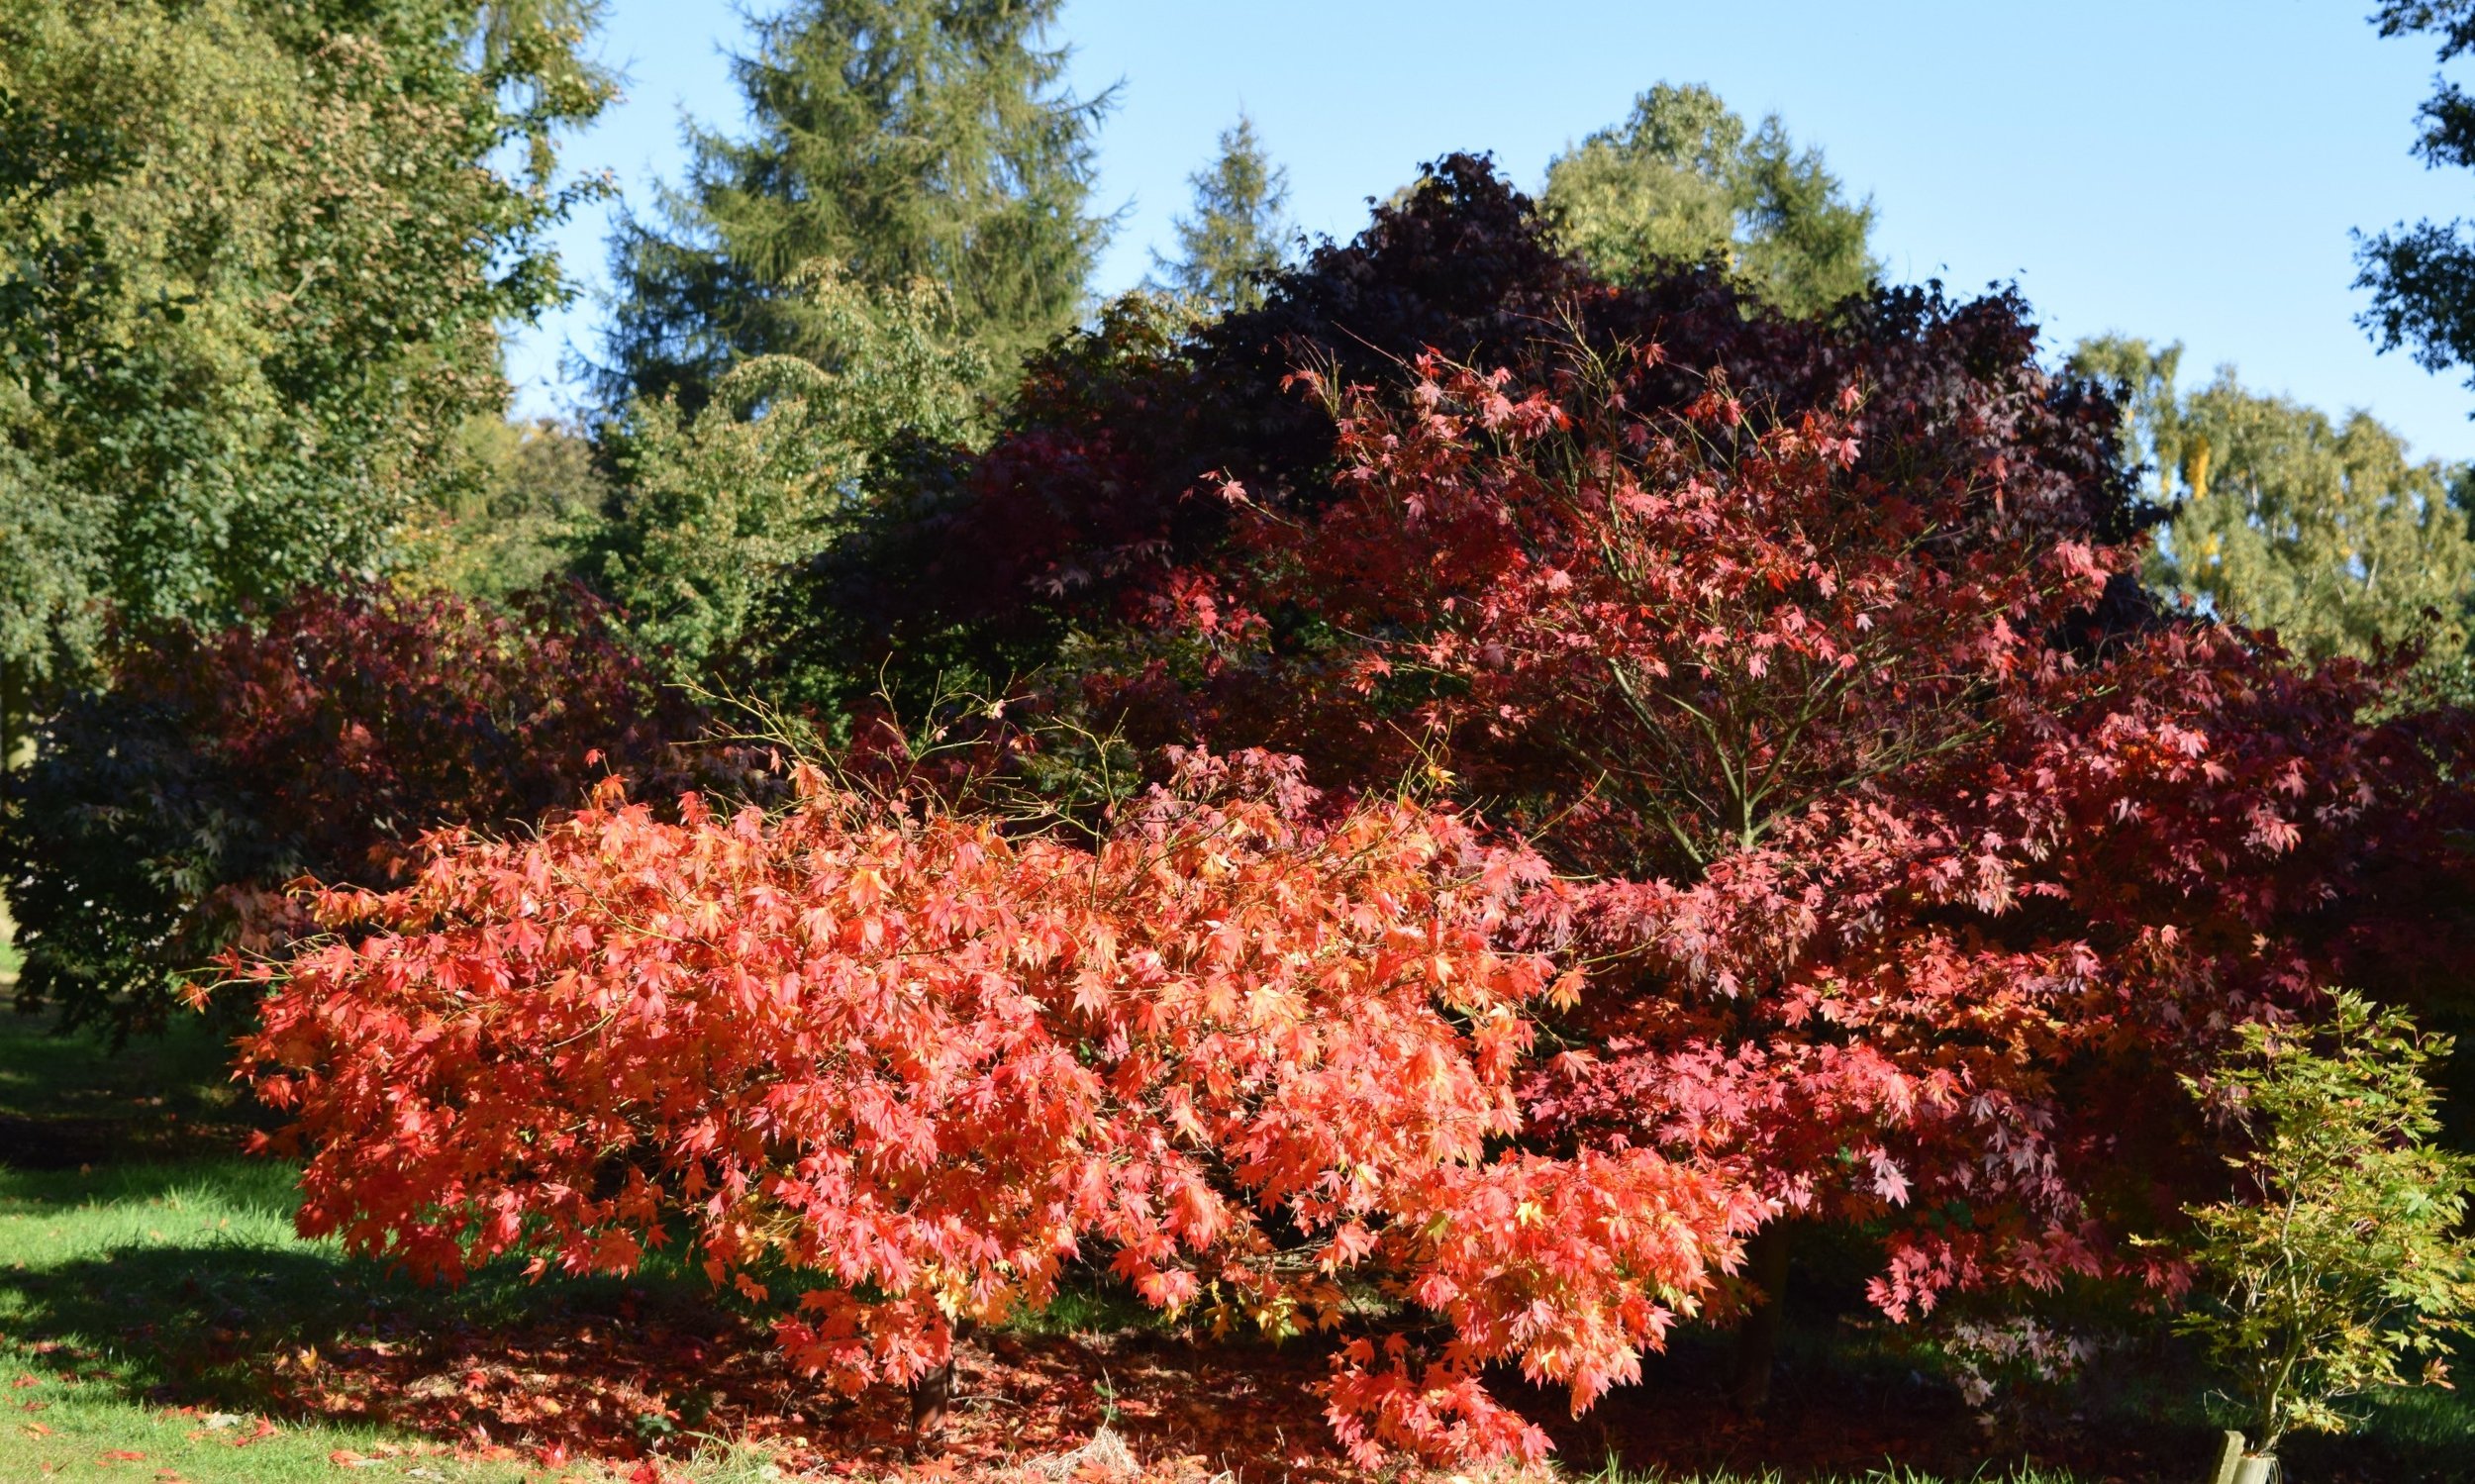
(889, 1067)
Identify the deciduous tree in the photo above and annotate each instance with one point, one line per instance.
(2422, 277)
(2288, 520)
(256, 255)
(2342, 1256)
(1921, 846)
(884, 1068)
(1682, 180)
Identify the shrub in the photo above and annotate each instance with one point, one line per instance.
(165, 814)
(2344, 1252)
(1898, 889)
(885, 1068)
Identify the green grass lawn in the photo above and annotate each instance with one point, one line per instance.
(123, 1288)
(124, 1269)
(117, 1276)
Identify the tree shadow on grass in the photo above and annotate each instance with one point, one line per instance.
(1847, 1404)
(303, 1333)
(610, 1368)
(74, 1099)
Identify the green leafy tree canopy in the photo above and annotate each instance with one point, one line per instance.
(253, 260)
(2284, 517)
(2422, 277)
(1683, 179)
(712, 505)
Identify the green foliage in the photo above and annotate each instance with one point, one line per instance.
(714, 505)
(2288, 520)
(2422, 277)
(253, 257)
(1236, 234)
(2345, 1252)
(902, 139)
(52, 539)
(529, 495)
(1683, 180)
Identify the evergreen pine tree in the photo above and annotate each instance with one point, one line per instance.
(1237, 231)
(894, 140)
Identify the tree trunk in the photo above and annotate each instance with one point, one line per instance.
(9, 703)
(931, 1395)
(1757, 1336)
(934, 1394)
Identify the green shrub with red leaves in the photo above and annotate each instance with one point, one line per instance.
(166, 812)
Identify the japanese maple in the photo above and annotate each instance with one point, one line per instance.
(1914, 849)
(1911, 880)
(887, 1067)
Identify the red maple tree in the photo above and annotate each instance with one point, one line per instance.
(1907, 879)
(893, 1069)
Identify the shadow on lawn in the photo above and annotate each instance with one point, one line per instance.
(73, 1101)
(1843, 1405)
(616, 1370)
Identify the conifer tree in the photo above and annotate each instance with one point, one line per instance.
(1237, 229)
(893, 139)
(1684, 180)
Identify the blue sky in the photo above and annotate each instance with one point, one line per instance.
(2177, 168)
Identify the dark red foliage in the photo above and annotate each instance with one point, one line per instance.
(1098, 489)
(166, 811)
(1910, 881)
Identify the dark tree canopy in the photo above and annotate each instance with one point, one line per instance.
(163, 816)
(982, 566)
(892, 139)
(1904, 831)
